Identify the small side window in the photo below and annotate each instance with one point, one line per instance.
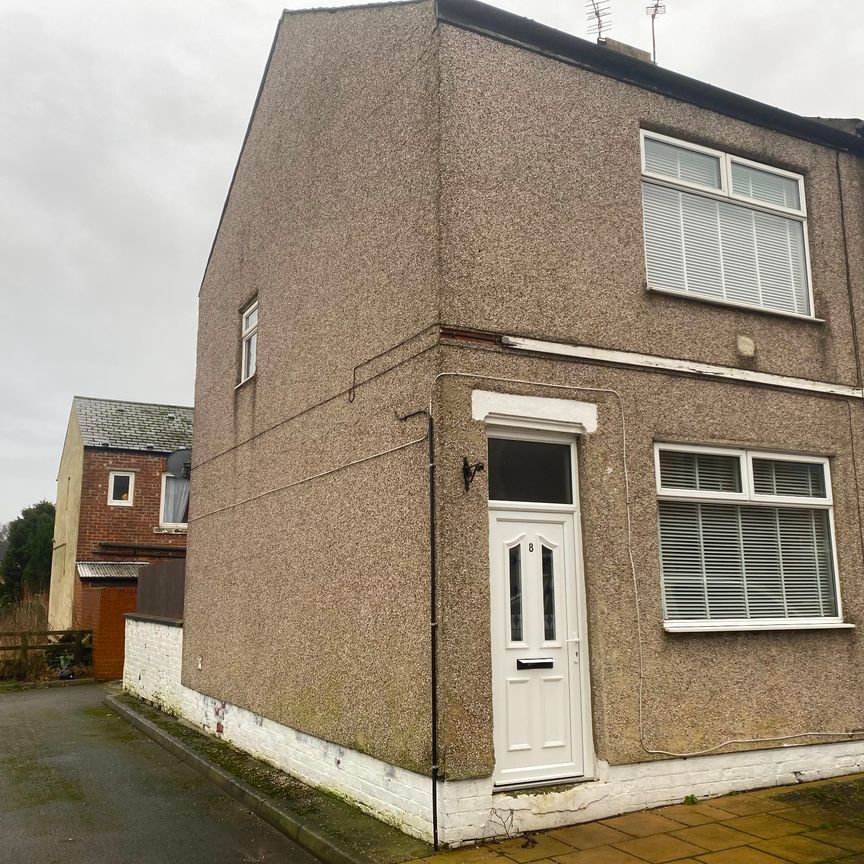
(249, 339)
(121, 488)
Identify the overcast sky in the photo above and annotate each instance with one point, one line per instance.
(120, 123)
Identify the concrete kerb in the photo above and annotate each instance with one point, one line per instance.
(283, 820)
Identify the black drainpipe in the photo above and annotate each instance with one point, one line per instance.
(433, 613)
(433, 629)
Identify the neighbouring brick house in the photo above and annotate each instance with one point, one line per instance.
(118, 509)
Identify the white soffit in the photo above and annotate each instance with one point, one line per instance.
(536, 411)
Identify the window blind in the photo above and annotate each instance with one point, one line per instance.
(682, 163)
(722, 250)
(765, 186)
(745, 562)
(798, 479)
(708, 471)
(748, 559)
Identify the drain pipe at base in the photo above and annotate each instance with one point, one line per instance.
(433, 612)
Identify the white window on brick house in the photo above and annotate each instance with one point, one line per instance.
(121, 488)
(174, 506)
(249, 341)
(746, 540)
(724, 228)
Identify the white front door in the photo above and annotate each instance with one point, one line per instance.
(537, 678)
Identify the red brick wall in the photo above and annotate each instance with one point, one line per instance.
(101, 609)
(100, 522)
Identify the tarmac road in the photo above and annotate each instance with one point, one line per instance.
(78, 784)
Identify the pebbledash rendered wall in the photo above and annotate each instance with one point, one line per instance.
(468, 808)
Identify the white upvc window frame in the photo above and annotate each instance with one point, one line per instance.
(246, 334)
(666, 180)
(751, 497)
(725, 193)
(541, 433)
(800, 213)
(671, 493)
(162, 523)
(112, 502)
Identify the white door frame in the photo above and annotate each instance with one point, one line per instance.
(522, 431)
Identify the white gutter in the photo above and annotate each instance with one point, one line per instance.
(686, 367)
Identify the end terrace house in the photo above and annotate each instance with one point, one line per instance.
(118, 509)
(527, 477)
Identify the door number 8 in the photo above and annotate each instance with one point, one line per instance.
(530, 547)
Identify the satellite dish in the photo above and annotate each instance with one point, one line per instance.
(180, 463)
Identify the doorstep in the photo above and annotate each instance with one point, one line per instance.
(330, 828)
(808, 823)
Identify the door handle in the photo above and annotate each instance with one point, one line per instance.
(535, 663)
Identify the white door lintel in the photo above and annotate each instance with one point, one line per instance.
(535, 412)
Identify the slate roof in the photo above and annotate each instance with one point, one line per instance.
(117, 425)
(95, 570)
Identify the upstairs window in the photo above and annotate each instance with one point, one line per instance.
(746, 540)
(724, 228)
(249, 341)
(121, 488)
(174, 509)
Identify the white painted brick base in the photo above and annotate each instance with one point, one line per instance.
(469, 809)
(152, 672)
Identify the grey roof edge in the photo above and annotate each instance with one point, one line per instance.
(133, 402)
(379, 4)
(522, 32)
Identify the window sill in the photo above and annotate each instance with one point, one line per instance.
(246, 381)
(750, 626)
(746, 307)
(179, 529)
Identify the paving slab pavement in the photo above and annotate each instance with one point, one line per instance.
(79, 785)
(810, 823)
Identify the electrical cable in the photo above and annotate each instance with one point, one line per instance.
(332, 398)
(307, 479)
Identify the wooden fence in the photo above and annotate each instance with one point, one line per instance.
(160, 590)
(36, 640)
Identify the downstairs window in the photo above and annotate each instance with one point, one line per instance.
(746, 540)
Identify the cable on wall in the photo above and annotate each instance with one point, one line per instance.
(332, 398)
(307, 479)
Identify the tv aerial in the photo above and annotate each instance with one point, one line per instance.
(599, 14)
(655, 9)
